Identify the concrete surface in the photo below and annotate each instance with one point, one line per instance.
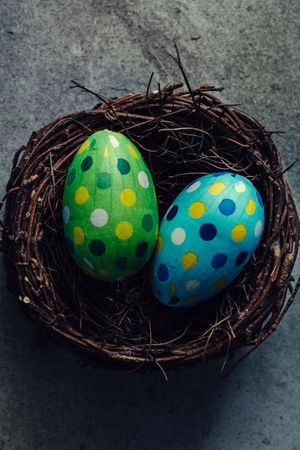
(251, 48)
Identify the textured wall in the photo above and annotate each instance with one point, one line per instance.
(250, 47)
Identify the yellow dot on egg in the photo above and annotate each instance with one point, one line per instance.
(105, 152)
(124, 230)
(78, 236)
(154, 193)
(172, 288)
(128, 274)
(251, 207)
(192, 300)
(189, 260)
(83, 147)
(104, 273)
(238, 233)
(128, 197)
(156, 230)
(220, 283)
(132, 151)
(159, 244)
(216, 188)
(88, 271)
(196, 209)
(81, 195)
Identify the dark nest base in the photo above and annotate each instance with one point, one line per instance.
(182, 135)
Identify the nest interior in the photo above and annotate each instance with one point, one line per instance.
(181, 135)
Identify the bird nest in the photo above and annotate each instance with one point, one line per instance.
(181, 135)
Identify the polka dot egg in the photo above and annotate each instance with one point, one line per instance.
(205, 239)
(109, 207)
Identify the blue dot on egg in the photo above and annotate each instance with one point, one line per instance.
(241, 258)
(218, 174)
(86, 163)
(227, 207)
(207, 231)
(123, 166)
(93, 143)
(172, 213)
(219, 260)
(141, 249)
(174, 300)
(71, 176)
(162, 272)
(97, 247)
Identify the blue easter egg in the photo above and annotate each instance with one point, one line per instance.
(205, 239)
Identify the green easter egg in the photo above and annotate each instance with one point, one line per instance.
(110, 211)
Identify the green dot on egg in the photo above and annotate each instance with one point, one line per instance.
(147, 222)
(103, 180)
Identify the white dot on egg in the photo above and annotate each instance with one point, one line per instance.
(178, 236)
(99, 217)
(192, 285)
(88, 263)
(113, 140)
(240, 187)
(193, 186)
(143, 179)
(66, 214)
(258, 228)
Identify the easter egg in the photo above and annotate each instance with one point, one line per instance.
(110, 214)
(205, 239)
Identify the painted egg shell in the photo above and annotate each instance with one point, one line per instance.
(205, 238)
(109, 207)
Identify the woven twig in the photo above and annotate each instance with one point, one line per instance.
(182, 135)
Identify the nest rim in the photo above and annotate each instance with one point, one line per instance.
(33, 195)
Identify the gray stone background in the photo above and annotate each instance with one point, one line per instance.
(252, 49)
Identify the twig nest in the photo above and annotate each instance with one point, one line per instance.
(182, 136)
